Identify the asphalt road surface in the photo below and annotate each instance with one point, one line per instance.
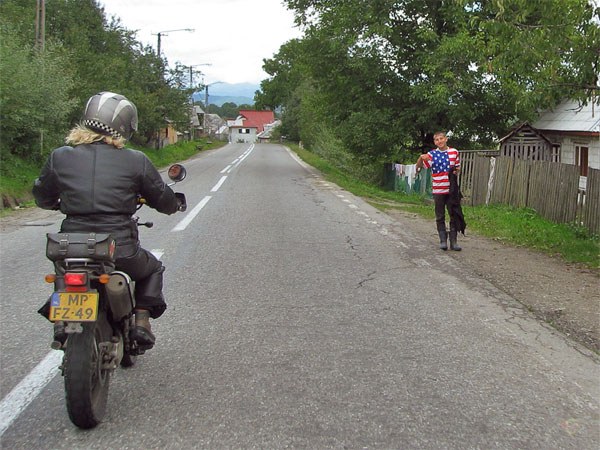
(299, 317)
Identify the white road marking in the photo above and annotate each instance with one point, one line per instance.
(295, 158)
(226, 169)
(193, 213)
(219, 184)
(28, 389)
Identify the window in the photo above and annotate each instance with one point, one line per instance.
(581, 159)
(244, 131)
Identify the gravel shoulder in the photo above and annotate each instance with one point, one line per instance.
(564, 295)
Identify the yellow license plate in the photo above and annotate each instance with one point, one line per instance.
(74, 306)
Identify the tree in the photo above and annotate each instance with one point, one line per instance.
(390, 72)
(88, 54)
(35, 98)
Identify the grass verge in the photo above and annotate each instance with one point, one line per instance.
(516, 226)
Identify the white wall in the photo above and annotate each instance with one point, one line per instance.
(236, 136)
(568, 144)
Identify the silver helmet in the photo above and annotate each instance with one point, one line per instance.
(111, 114)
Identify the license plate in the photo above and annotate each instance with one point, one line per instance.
(74, 306)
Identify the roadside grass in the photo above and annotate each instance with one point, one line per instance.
(17, 175)
(515, 226)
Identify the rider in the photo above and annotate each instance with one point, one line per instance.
(97, 183)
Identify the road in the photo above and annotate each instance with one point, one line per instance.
(300, 317)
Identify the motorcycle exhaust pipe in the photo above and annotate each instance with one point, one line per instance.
(120, 295)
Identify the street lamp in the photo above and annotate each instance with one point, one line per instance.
(164, 33)
(206, 101)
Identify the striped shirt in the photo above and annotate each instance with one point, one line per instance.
(441, 163)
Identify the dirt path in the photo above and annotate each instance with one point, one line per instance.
(564, 295)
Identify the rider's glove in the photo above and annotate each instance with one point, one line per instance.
(181, 203)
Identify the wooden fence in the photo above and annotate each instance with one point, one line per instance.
(467, 168)
(551, 188)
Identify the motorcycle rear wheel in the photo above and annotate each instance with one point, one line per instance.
(86, 383)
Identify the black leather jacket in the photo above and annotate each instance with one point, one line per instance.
(98, 187)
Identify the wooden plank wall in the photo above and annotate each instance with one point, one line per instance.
(552, 189)
(591, 210)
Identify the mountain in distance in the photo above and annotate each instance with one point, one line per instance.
(239, 93)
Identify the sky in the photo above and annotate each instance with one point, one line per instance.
(234, 36)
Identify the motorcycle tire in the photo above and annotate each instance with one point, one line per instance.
(86, 382)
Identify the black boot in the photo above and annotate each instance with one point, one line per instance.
(142, 333)
(443, 240)
(453, 245)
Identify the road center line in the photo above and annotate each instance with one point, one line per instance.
(226, 169)
(193, 213)
(218, 185)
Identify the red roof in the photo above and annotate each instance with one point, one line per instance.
(257, 119)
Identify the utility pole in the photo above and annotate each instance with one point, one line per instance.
(164, 33)
(192, 93)
(40, 24)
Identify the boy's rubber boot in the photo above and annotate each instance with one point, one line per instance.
(443, 240)
(453, 245)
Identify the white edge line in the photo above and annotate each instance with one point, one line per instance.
(295, 158)
(27, 390)
(193, 213)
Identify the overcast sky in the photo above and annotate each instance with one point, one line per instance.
(232, 35)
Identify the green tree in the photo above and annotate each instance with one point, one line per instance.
(390, 72)
(97, 55)
(35, 98)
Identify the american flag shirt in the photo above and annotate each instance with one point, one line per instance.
(441, 162)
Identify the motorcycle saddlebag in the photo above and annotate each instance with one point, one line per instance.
(98, 246)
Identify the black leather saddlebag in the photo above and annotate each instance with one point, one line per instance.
(98, 246)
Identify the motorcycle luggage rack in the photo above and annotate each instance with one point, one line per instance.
(88, 263)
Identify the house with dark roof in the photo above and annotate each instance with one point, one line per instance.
(248, 125)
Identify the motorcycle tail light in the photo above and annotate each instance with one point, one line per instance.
(75, 279)
(76, 282)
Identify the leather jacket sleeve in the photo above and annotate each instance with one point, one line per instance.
(46, 187)
(157, 194)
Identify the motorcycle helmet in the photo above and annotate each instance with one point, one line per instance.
(111, 114)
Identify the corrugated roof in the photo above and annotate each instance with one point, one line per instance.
(571, 116)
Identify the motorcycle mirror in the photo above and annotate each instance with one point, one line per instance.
(177, 172)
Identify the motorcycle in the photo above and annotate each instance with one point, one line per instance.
(93, 306)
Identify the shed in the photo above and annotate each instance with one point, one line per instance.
(526, 142)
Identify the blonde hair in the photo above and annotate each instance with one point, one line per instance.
(80, 134)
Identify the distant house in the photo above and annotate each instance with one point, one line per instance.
(248, 125)
(265, 135)
(214, 124)
(167, 134)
